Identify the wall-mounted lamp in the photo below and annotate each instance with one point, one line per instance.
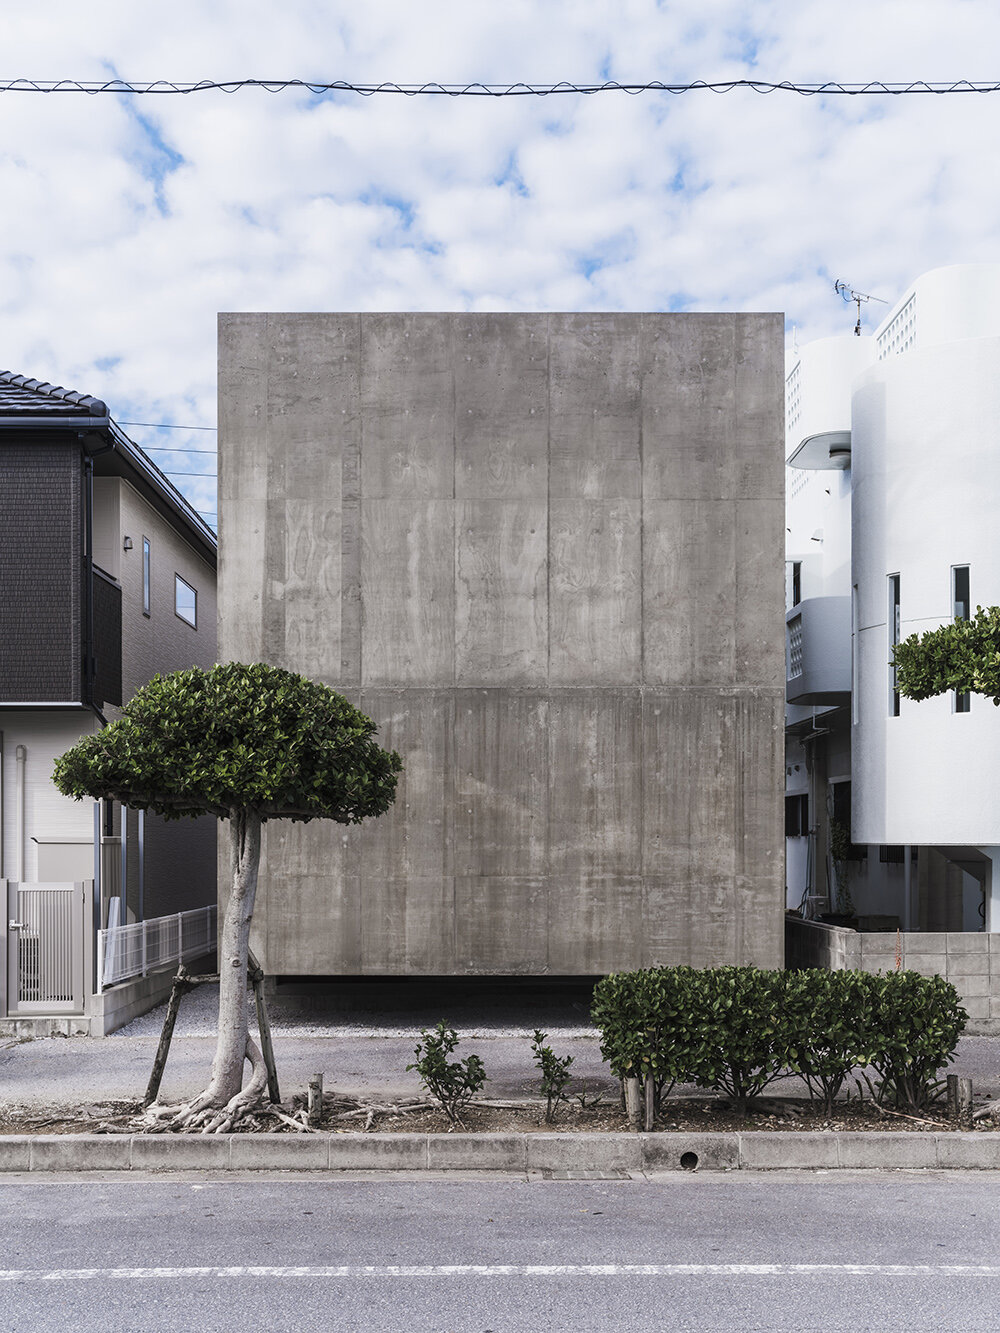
(127, 544)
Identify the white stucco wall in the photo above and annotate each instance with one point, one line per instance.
(926, 495)
(921, 399)
(47, 814)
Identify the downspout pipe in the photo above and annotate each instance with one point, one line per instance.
(88, 663)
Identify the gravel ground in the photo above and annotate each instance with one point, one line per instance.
(559, 1016)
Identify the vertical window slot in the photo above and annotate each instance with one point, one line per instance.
(961, 609)
(894, 638)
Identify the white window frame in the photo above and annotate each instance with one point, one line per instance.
(960, 702)
(855, 658)
(180, 582)
(894, 625)
(147, 578)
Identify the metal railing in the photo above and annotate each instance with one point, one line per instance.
(144, 946)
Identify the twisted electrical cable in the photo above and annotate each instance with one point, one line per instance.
(159, 87)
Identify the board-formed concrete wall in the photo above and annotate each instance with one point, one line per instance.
(544, 554)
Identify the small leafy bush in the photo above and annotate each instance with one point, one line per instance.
(744, 1042)
(453, 1083)
(650, 1023)
(555, 1073)
(917, 1021)
(830, 1025)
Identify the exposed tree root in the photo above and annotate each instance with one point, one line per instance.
(212, 1112)
(991, 1111)
(287, 1120)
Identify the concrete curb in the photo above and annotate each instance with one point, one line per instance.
(512, 1153)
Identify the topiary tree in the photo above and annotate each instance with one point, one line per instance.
(963, 655)
(247, 744)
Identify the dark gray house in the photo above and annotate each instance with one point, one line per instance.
(108, 576)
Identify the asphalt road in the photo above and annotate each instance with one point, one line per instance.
(706, 1252)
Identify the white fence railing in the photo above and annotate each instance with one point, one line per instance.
(144, 946)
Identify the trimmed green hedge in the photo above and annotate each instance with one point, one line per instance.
(736, 1029)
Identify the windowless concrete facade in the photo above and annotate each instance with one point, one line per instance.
(543, 553)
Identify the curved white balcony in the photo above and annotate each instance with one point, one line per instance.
(818, 651)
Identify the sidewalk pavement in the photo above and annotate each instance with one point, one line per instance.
(360, 1054)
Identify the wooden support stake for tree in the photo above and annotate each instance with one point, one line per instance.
(315, 1111)
(649, 1104)
(952, 1082)
(960, 1101)
(267, 1049)
(633, 1107)
(256, 973)
(181, 984)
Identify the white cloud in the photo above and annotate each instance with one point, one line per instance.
(126, 225)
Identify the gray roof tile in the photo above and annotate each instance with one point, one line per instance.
(21, 396)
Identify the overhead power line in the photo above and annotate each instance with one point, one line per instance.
(160, 87)
(175, 449)
(166, 425)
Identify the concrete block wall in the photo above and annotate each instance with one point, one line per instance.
(815, 944)
(970, 960)
(543, 552)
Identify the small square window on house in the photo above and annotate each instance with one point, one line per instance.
(185, 601)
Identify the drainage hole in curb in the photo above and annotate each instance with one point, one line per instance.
(689, 1161)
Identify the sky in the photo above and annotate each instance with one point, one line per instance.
(126, 224)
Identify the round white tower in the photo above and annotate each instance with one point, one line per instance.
(925, 521)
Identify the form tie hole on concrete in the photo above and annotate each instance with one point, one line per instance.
(689, 1161)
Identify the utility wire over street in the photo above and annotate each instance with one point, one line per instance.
(167, 87)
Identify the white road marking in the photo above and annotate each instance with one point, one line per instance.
(349, 1271)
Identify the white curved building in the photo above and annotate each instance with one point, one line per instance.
(925, 470)
(893, 514)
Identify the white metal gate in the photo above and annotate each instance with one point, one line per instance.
(45, 948)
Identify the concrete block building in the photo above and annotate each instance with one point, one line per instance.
(542, 552)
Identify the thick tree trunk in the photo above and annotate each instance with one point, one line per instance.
(230, 1051)
(225, 1099)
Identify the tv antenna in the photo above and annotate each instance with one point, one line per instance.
(847, 293)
